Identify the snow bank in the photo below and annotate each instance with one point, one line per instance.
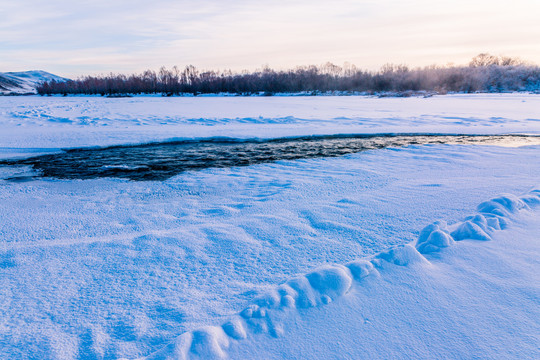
(270, 312)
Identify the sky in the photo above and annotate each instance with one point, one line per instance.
(75, 38)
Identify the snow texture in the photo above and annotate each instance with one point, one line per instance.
(192, 266)
(272, 312)
(111, 268)
(42, 124)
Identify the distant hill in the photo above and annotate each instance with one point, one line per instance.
(24, 82)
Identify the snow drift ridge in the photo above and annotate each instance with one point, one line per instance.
(329, 282)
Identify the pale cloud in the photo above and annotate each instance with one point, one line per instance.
(72, 38)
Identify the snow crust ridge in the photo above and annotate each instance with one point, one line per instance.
(330, 282)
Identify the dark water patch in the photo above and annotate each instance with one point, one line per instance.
(160, 161)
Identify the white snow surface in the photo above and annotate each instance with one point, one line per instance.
(474, 296)
(108, 268)
(39, 123)
(113, 268)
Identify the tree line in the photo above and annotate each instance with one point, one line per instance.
(484, 73)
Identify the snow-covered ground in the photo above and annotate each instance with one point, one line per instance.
(34, 122)
(111, 268)
(477, 299)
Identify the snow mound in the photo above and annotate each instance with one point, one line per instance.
(470, 230)
(331, 282)
(25, 82)
(433, 237)
(402, 255)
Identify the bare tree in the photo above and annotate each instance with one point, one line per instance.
(485, 72)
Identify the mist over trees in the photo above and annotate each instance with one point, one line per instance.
(484, 73)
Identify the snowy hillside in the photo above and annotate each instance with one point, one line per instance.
(24, 82)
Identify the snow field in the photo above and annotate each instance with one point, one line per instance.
(117, 269)
(330, 282)
(37, 123)
(108, 269)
